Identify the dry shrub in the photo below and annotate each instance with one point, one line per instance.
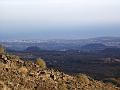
(83, 79)
(2, 50)
(41, 63)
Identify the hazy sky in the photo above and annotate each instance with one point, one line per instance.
(47, 19)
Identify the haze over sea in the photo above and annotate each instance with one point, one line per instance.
(59, 19)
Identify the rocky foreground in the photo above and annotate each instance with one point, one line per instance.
(16, 74)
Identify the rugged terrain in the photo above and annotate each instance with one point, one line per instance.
(16, 74)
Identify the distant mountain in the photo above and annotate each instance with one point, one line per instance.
(107, 38)
(33, 49)
(64, 44)
(93, 47)
(111, 52)
(109, 41)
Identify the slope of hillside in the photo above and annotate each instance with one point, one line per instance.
(93, 47)
(16, 74)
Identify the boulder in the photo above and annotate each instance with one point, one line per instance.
(2, 56)
(53, 76)
(23, 70)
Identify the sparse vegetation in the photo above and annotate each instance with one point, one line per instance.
(13, 57)
(41, 63)
(29, 76)
(2, 50)
(84, 79)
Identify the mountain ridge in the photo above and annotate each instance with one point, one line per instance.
(16, 74)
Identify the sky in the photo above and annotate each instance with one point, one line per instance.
(59, 19)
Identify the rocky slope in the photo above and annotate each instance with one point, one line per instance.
(16, 74)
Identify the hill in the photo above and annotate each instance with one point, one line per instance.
(113, 52)
(76, 44)
(16, 74)
(33, 49)
(93, 47)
